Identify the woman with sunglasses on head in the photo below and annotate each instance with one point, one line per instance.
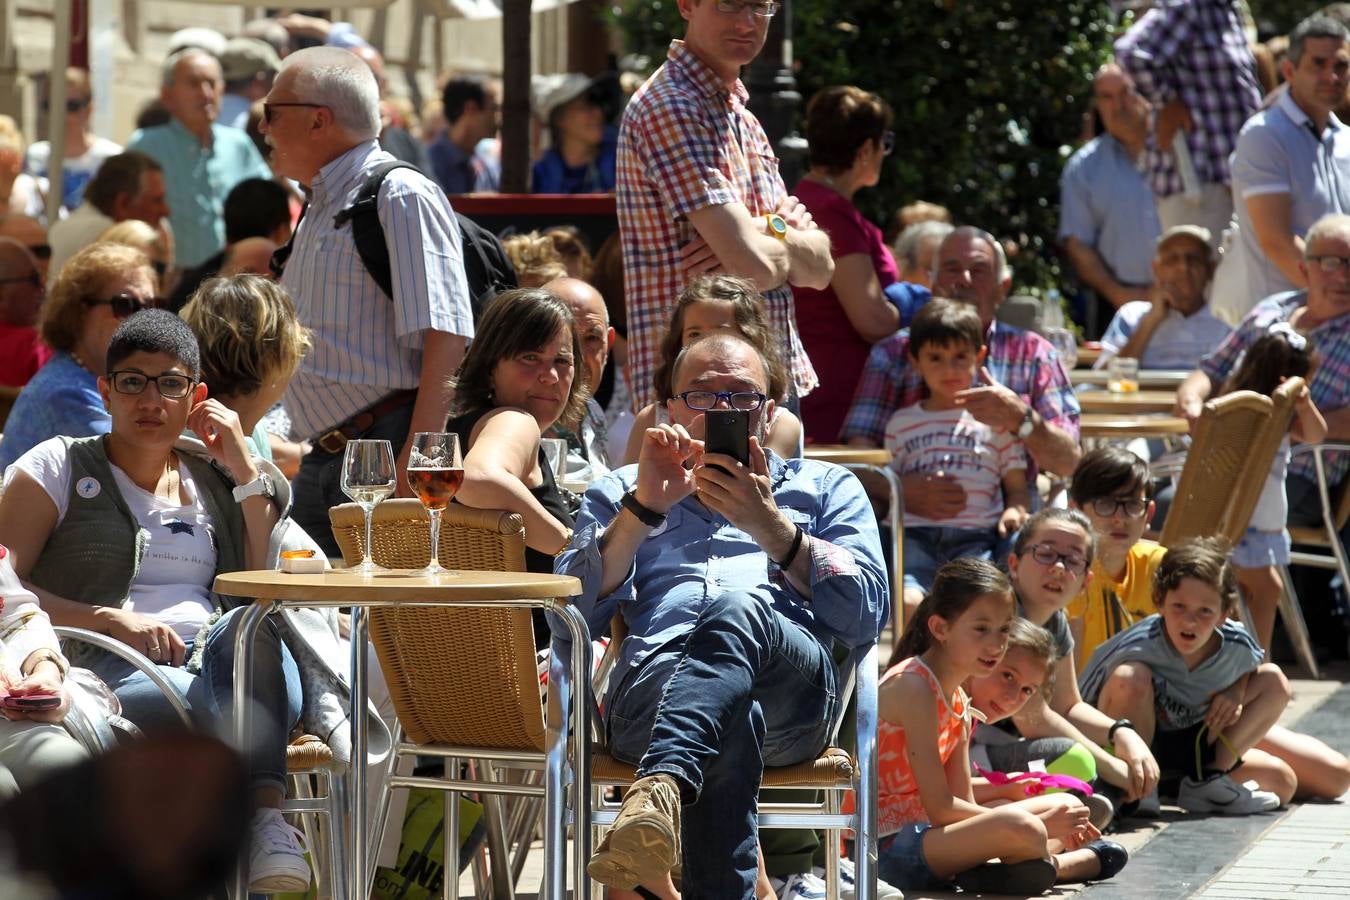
(125, 533)
(154, 241)
(96, 289)
(848, 130)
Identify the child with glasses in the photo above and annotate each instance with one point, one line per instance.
(1112, 487)
(1282, 353)
(937, 434)
(1191, 681)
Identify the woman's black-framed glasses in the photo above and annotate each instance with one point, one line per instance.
(706, 400)
(171, 386)
(124, 305)
(1109, 506)
(1048, 556)
(269, 108)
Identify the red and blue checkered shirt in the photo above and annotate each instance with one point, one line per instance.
(688, 142)
(1023, 361)
(1196, 50)
(1330, 385)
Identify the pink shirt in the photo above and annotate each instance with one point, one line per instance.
(22, 353)
(836, 350)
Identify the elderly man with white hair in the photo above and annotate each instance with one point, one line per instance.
(202, 159)
(371, 352)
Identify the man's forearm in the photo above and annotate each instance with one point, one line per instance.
(1194, 390)
(442, 353)
(810, 264)
(1338, 424)
(1138, 342)
(618, 548)
(1053, 448)
(1092, 269)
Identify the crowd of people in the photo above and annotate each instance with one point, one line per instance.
(273, 267)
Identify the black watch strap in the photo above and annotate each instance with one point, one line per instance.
(1116, 726)
(649, 517)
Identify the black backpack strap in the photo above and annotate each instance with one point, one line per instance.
(367, 232)
(283, 253)
(487, 269)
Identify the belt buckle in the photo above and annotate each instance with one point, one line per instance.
(332, 441)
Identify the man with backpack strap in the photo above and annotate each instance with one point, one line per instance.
(373, 347)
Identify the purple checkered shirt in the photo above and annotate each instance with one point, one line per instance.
(1330, 387)
(1022, 360)
(687, 142)
(1195, 50)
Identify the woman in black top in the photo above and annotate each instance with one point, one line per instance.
(518, 378)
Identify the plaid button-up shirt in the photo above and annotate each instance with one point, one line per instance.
(688, 142)
(1330, 385)
(1023, 361)
(1195, 50)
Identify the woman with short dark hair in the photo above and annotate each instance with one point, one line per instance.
(848, 130)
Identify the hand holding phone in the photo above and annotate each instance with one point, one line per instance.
(30, 702)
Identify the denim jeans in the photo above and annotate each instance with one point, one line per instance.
(928, 547)
(746, 688)
(317, 487)
(210, 695)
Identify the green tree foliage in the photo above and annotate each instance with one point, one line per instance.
(989, 97)
(1280, 16)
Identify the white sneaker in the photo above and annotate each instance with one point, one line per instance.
(803, 886)
(847, 879)
(1221, 794)
(276, 858)
(1150, 807)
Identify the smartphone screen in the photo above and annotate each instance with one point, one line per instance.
(727, 431)
(32, 701)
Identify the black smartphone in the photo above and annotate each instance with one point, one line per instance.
(727, 431)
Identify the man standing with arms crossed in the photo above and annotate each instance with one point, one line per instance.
(379, 365)
(699, 189)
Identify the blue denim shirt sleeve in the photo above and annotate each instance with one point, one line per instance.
(582, 559)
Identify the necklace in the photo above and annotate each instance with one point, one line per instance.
(79, 362)
(170, 478)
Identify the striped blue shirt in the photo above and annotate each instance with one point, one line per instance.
(364, 344)
(1180, 696)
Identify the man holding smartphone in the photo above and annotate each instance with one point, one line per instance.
(699, 190)
(734, 579)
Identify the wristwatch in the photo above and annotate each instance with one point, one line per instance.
(778, 226)
(1028, 425)
(1116, 726)
(261, 485)
(647, 516)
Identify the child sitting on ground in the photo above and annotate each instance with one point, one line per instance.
(1282, 353)
(1191, 682)
(1112, 486)
(932, 831)
(937, 434)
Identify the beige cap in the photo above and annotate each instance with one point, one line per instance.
(1200, 234)
(245, 57)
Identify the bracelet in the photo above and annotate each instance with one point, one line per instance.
(796, 545)
(52, 656)
(1116, 726)
(649, 517)
(566, 544)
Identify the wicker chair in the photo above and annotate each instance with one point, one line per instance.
(465, 684)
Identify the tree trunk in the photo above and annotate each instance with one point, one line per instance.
(515, 96)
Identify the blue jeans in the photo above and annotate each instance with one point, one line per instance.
(317, 487)
(746, 688)
(928, 547)
(210, 695)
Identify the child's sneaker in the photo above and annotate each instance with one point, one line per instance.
(847, 883)
(276, 859)
(1224, 796)
(803, 886)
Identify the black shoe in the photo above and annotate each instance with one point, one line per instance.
(1028, 878)
(1111, 856)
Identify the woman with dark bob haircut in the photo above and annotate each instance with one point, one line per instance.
(518, 378)
(848, 130)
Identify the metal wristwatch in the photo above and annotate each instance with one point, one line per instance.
(1028, 425)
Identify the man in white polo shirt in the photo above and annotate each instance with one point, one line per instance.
(1291, 165)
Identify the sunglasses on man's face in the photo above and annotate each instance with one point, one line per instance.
(32, 278)
(124, 305)
(41, 251)
(72, 106)
(270, 108)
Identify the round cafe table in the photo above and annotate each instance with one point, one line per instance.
(272, 591)
(1099, 426)
(1134, 403)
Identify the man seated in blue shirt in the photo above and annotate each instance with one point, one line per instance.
(734, 581)
(1175, 326)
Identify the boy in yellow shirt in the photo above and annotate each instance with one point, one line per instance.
(1111, 486)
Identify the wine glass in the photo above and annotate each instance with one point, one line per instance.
(435, 472)
(368, 476)
(1064, 341)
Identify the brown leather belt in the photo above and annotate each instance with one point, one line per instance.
(335, 439)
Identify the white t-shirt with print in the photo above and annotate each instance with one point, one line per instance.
(173, 584)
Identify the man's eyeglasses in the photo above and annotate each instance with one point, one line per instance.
(72, 106)
(32, 278)
(1109, 506)
(124, 305)
(888, 143)
(1048, 556)
(170, 386)
(765, 9)
(41, 251)
(269, 108)
(705, 400)
(1330, 264)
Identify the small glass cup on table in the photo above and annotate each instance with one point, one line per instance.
(1123, 375)
(368, 476)
(435, 473)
